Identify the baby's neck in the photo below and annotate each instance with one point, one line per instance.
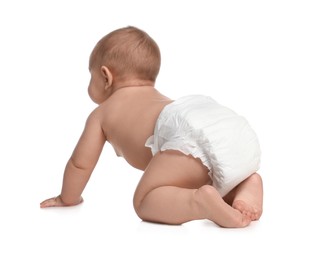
(132, 83)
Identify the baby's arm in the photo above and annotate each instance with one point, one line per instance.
(80, 165)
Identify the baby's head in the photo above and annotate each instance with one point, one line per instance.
(129, 53)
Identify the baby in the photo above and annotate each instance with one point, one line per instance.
(199, 158)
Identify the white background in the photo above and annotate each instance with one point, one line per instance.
(252, 56)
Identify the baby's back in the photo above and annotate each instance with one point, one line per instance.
(128, 119)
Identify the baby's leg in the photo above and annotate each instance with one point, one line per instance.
(174, 190)
(247, 197)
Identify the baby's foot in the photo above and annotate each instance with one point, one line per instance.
(246, 209)
(213, 207)
(249, 197)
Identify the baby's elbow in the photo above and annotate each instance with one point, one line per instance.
(78, 164)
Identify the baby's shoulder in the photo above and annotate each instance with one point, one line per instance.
(97, 114)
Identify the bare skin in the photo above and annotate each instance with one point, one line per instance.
(249, 197)
(174, 188)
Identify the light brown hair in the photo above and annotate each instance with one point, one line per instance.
(127, 52)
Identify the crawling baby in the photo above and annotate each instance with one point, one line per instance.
(200, 159)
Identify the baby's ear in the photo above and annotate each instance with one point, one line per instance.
(107, 75)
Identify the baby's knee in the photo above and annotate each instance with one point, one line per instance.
(142, 204)
(137, 202)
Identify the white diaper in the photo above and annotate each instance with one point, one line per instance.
(221, 139)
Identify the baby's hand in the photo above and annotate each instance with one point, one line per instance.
(56, 202)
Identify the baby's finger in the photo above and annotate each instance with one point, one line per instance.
(52, 202)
